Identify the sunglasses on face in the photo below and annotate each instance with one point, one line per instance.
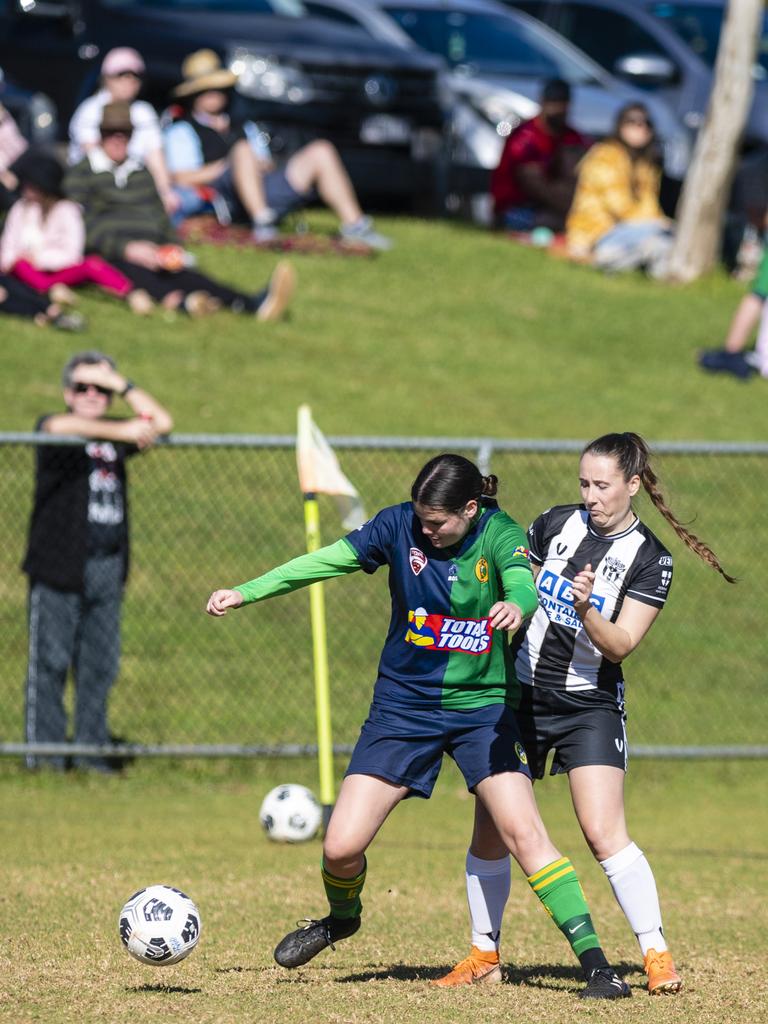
(125, 74)
(112, 133)
(81, 389)
(642, 122)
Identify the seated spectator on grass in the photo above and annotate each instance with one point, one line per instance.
(126, 223)
(12, 145)
(43, 240)
(734, 358)
(204, 149)
(17, 299)
(122, 71)
(534, 183)
(616, 222)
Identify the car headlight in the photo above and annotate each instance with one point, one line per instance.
(504, 112)
(267, 78)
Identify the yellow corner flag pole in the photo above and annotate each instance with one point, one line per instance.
(320, 658)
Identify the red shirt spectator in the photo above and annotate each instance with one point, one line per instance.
(534, 183)
(530, 144)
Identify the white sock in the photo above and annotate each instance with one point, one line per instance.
(488, 884)
(634, 887)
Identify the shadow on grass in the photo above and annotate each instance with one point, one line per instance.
(542, 976)
(179, 990)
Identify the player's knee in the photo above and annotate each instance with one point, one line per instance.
(525, 838)
(341, 853)
(604, 837)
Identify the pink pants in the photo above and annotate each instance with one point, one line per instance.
(93, 270)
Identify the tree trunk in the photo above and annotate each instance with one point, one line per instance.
(707, 184)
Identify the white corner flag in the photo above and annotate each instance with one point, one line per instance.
(320, 472)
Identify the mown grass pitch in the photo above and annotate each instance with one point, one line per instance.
(75, 848)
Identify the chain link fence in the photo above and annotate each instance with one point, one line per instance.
(215, 511)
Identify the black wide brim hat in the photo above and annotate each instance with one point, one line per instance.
(42, 170)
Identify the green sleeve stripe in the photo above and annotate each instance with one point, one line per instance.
(337, 559)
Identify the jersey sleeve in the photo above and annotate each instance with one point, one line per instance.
(374, 541)
(337, 559)
(650, 582)
(537, 544)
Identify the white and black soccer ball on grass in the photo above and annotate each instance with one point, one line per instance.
(159, 925)
(290, 814)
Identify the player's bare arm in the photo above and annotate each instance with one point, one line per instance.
(614, 640)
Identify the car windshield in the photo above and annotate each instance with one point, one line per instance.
(288, 8)
(699, 26)
(491, 43)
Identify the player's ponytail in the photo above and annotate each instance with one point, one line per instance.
(449, 481)
(634, 459)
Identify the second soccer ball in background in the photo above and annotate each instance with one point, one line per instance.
(290, 814)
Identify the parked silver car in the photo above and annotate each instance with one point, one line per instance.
(497, 59)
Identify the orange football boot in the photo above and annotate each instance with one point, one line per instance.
(663, 979)
(480, 967)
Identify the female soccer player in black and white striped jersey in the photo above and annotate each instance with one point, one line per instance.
(602, 578)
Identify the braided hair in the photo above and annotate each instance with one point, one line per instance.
(633, 457)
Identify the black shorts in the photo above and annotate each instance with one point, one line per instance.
(583, 728)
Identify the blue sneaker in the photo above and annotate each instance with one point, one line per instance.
(717, 360)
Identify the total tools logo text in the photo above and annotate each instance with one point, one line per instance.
(445, 633)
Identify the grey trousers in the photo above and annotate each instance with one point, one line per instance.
(81, 631)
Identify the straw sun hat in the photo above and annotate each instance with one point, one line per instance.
(202, 70)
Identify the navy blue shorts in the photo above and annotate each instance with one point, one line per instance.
(406, 746)
(281, 196)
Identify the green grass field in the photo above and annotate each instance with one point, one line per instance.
(455, 332)
(78, 847)
(458, 333)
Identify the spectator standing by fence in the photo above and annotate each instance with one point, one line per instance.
(78, 551)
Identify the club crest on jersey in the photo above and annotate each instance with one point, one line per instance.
(481, 570)
(445, 633)
(418, 560)
(522, 757)
(612, 568)
(453, 573)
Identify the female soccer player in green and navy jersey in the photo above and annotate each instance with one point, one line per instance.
(459, 579)
(602, 579)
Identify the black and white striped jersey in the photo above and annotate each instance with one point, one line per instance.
(555, 651)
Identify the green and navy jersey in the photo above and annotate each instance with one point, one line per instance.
(440, 649)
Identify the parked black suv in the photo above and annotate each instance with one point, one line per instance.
(301, 78)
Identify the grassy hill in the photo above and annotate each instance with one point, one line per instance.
(455, 332)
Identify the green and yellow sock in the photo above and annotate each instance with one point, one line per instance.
(558, 888)
(344, 893)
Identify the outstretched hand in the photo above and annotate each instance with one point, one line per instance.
(221, 601)
(505, 615)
